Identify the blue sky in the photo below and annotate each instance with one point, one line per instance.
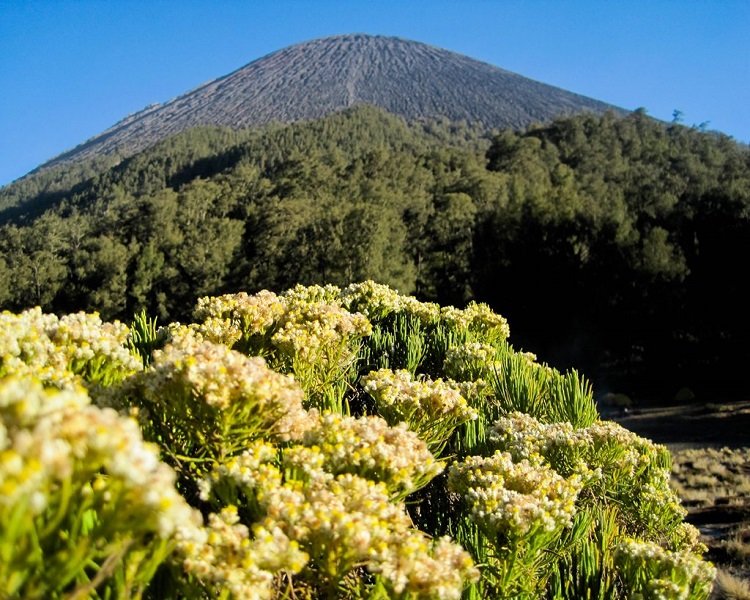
(71, 68)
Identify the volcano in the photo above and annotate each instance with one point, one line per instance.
(316, 78)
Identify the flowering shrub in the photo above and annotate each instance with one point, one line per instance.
(522, 508)
(203, 400)
(224, 557)
(85, 503)
(616, 465)
(319, 343)
(367, 446)
(479, 320)
(653, 572)
(343, 522)
(77, 349)
(470, 361)
(305, 331)
(378, 302)
(234, 318)
(514, 499)
(432, 409)
(347, 521)
(321, 443)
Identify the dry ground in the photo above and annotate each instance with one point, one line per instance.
(710, 445)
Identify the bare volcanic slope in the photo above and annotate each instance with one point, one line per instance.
(316, 78)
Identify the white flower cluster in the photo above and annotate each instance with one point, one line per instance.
(479, 319)
(252, 472)
(352, 515)
(432, 409)
(215, 331)
(648, 568)
(470, 361)
(346, 521)
(89, 338)
(687, 538)
(374, 300)
(54, 443)
(614, 464)
(658, 504)
(320, 333)
(306, 322)
(64, 352)
(218, 331)
(514, 498)
(397, 390)
(369, 447)
(522, 435)
(305, 331)
(240, 314)
(225, 556)
(604, 445)
(208, 390)
(312, 294)
(428, 569)
(377, 301)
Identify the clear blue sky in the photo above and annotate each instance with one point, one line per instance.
(71, 68)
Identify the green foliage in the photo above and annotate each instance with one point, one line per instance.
(144, 337)
(588, 573)
(607, 240)
(398, 343)
(572, 400)
(521, 385)
(652, 572)
(87, 508)
(279, 464)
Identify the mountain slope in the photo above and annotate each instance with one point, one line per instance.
(316, 78)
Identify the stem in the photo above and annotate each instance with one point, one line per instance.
(106, 570)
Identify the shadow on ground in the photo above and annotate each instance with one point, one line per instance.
(692, 425)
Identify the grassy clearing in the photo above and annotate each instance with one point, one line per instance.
(708, 476)
(729, 587)
(715, 485)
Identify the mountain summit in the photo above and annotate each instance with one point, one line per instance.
(315, 78)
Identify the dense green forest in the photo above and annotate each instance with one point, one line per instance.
(613, 244)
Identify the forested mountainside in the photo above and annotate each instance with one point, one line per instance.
(317, 78)
(611, 243)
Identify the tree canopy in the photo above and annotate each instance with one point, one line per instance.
(613, 244)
